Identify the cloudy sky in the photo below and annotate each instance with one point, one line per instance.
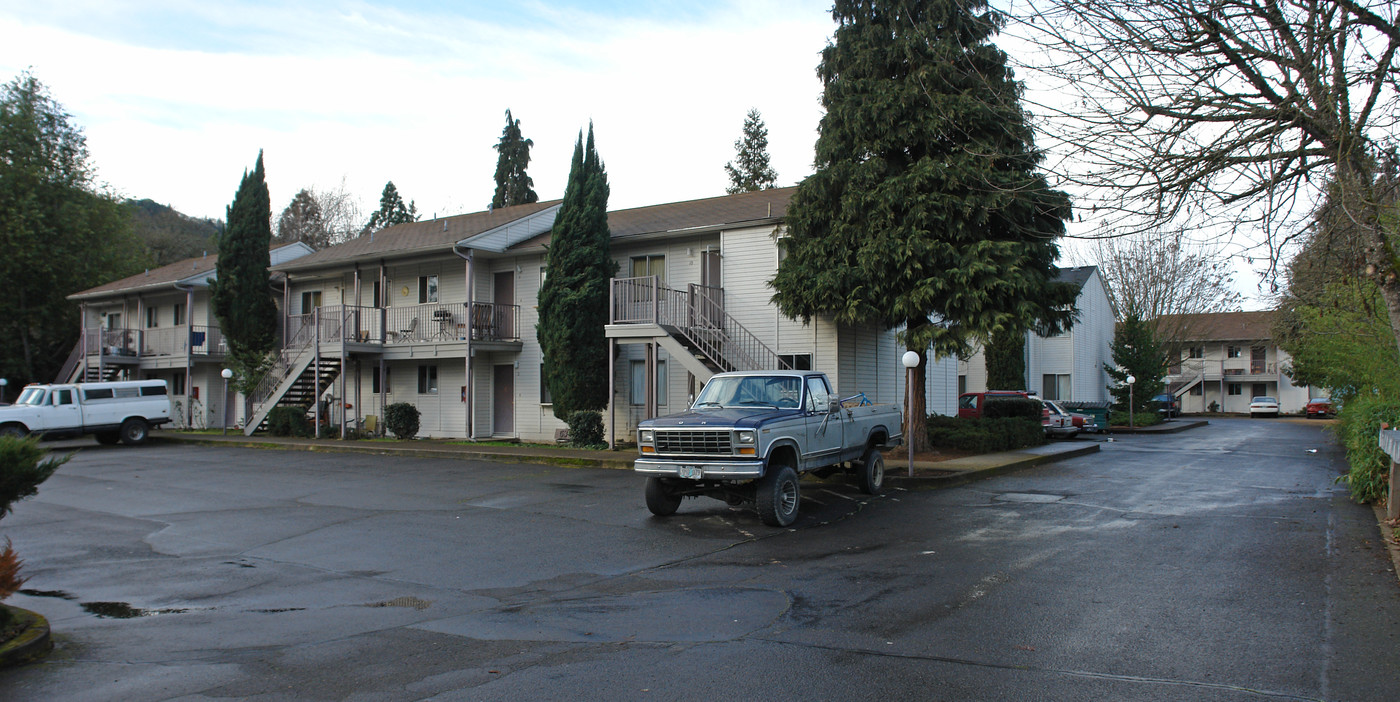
(177, 97)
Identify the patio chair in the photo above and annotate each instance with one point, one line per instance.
(404, 334)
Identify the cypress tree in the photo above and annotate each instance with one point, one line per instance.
(240, 295)
(753, 171)
(513, 185)
(391, 210)
(574, 297)
(925, 210)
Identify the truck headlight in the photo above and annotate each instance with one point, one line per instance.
(743, 437)
(646, 436)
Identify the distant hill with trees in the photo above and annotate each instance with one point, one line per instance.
(169, 235)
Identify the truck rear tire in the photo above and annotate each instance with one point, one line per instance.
(778, 496)
(135, 431)
(660, 499)
(870, 477)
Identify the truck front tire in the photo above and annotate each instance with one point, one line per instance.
(660, 499)
(778, 496)
(13, 431)
(871, 475)
(135, 431)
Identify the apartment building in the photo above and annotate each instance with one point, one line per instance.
(1225, 359)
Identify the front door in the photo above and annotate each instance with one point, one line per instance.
(1260, 390)
(503, 403)
(1256, 360)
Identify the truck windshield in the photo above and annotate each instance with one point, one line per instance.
(751, 391)
(31, 396)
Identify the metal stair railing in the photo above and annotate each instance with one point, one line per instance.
(70, 366)
(698, 316)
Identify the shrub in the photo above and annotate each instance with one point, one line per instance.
(586, 429)
(402, 420)
(1119, 418)
(1358, 427)
(1023, 407)
(22, 468)
(288, 421)
(985, 435)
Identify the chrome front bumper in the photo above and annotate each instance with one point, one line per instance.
(699, 469)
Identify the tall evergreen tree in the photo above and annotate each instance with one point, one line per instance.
(391, 210)
(302, 221)
(1136, 353)
(58, 232)
(513, 185)
(574, 297)
(752, 171)
(239, 293)
(925, 210)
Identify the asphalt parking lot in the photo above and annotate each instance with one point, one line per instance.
(1221, 563)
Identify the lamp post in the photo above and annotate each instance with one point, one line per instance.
(910, 359)
(226, 373)
(1131, 380)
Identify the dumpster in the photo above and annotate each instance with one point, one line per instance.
(1097, 410)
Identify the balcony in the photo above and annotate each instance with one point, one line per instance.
(411, 324)
(134, 344)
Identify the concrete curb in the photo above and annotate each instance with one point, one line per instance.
(1390, 545)
(458, 452)
(963, 473)
(32, 643)
(1166, 428)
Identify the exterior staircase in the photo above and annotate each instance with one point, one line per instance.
(299, 377)
(691, 325)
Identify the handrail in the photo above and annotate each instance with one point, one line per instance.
(698, 315)
(70, 366)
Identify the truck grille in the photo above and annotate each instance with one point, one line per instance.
(699, 442)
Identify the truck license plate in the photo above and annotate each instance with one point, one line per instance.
(692, 472)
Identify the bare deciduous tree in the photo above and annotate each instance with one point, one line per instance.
(1234, 116)
(1160, 276)
(320, 218)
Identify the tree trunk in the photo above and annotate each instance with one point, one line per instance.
(916, 414)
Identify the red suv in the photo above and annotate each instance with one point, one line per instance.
(970, 404)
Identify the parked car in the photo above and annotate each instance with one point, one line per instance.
(1059, 423)
(1319, 407)
(1263, 406)
(1166, 405)
(1082, 422)
(971, 404)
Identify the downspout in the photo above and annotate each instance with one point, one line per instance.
(469, 257)
(189, 349)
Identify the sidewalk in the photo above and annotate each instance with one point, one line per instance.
(1170, 426)
(950, 473)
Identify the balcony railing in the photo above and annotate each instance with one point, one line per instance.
(196, 340)
(433, 322)
(697, 314)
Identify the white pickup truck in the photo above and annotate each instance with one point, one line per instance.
(115, 411)
(749, 435)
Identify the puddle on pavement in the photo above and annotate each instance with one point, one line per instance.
(277, 611)
(58, 594)
(1027, 497)
(122, 610)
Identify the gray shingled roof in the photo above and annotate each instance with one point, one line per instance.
(1078, 275)
(162, 278)
(1224, 326)
(434, 235)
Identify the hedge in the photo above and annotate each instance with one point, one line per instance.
(985, 435)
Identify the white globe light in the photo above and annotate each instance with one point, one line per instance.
(1131, 380)
(910, 359)
(226, 373)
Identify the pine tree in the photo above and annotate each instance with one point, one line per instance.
(391, 210)
(513, 185)
(574, 297)
(239, 293)
(303, 221)
(925, 210)
(1136, 353)
(752, 172)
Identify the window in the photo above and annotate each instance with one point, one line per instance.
(643, 266)
(427, 380)
(114, 320)
(152, 317)
(1055, 387)
(1196, 390)
(1235, 388)
(427, 289)
(178, 317)
(63, 396)
(97, 393)
(1197, 352)
(546, 398)
(962, 383)
(310, 300)
(782, 250)
(639, 383)
(1232, 352)
(544, 275)
(376, 295)
(374, 381)
(151, 390)
(818, 395)
(177, 386)
(797, 361)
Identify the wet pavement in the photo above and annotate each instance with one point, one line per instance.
(1220, 563)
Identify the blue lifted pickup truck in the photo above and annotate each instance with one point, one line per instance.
(749, 435)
